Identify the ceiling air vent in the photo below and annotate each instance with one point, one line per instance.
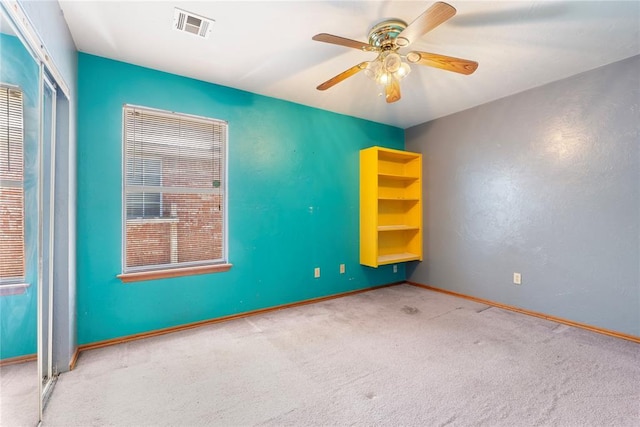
(191, 23)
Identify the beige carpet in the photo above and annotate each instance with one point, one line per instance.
(393, 356)
(19, 395)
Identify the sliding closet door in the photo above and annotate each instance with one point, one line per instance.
(47, 210)
(20, 119)
(36, 221)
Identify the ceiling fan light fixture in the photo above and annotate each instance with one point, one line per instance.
(387, 38)
(403, 70)
(373, 69)
(384, 78)
(386, 66)
(392, 62)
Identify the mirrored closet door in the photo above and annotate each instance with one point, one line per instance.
(28, 100)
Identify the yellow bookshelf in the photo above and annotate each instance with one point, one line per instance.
(390, 206)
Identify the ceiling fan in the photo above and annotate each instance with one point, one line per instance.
(386, 38)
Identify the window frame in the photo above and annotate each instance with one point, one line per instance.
(14, 284)
(157, 271)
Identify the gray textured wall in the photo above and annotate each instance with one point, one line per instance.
(544, 183)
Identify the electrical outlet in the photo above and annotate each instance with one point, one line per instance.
(342, 269)
(517, 279)
(316, 272)
(395, 268)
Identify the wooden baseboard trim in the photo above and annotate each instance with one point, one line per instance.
(157, 332)
(74, 359)
(34, 357)
(20, 359)
(532, 313)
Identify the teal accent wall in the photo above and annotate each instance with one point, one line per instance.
(293, 202)
(18, 313)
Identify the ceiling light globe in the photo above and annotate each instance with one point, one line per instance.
(383, 78)
(392, 62)
(403, 71)
(373, 70)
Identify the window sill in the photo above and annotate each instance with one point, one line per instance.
(140, 276)
(13, 289)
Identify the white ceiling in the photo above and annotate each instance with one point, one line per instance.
(265, 47)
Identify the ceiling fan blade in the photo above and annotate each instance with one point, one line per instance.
(449, 63)
(437, 14)
(341, 41)
(392, 90)
(343, 75)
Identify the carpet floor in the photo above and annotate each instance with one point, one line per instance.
(400, 355)
(19, 394)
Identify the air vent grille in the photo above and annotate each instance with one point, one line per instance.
(191, 23)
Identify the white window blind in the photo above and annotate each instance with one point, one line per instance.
(174, 190)
(12, 258)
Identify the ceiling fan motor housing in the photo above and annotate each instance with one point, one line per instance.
(384, 34)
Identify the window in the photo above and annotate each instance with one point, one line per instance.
(146, 173)
(174, 191)
(12, 267)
